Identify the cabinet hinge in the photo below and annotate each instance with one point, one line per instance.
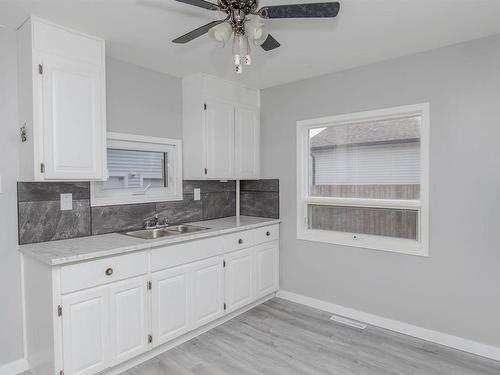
(150, 339)
(206, 171)
(205, 106)
(150, 285)
(40, 69)
(224, 264)
(224, 306)
(59, 310)
(61, 372)
(42, 168)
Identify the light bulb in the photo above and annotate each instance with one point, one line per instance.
(241, 52)
(221, 33)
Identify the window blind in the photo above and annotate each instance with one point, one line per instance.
(132, 167)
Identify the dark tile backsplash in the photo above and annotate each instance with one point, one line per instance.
(260, 198)
(184, 211)
(108, 219)
(49, 191)
(221, 204)
(40, 217)
(41, 221)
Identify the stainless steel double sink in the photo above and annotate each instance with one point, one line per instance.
(151, 234)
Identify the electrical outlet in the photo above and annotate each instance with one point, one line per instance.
(197, 194)
(66, 202)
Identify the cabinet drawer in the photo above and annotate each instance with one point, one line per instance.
(240, 240)
(102, 271)
(267, 234)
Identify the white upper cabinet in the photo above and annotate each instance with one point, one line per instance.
(62, 103)
(221, 129)
(247, 142)
(219, 139)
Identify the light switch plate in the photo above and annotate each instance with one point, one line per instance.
(66, 202)
(197, 194)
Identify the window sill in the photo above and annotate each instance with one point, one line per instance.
(394, 245)
(133, 199)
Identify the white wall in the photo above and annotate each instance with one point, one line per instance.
(11, 338)
(141, 101)
(456, 289)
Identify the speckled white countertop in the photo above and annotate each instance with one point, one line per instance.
(85, 248)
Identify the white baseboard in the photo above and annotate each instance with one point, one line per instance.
(14, 368)
(445, 339)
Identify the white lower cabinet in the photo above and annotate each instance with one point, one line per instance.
(85, 326)
(112, 309)
(267, 268)
(239, 277)
(170, 304)
(207, 290)
(128, 323)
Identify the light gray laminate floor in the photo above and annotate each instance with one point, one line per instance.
(284, 338)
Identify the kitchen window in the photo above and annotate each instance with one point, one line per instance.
(363, 179)
(140, 169)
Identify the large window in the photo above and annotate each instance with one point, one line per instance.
(363, 179)
(140, 169)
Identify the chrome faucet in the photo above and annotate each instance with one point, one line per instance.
(156, 222)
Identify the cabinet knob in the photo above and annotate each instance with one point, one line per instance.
(109, 272)
(240, 241)
(268, 233)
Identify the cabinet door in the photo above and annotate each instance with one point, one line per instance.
(170, 304)
(267, 269)
(219, 139)
(128, 319)
(73, 117)
(207, 291)
(247, 142)
(85, 331)
(238, 279)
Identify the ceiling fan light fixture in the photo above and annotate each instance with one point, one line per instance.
(221, 33)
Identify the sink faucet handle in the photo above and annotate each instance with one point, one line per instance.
(150, 222)
(162, 220)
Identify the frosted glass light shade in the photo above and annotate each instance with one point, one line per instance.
(254, 29)
(221, 33)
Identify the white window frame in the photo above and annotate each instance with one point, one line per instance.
(102, 197)
(398, 245)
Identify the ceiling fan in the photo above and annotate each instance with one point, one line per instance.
(242, 21)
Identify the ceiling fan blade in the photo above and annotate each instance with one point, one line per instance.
(312, 10)
(200, 3)
(196, 32)
(270, 43)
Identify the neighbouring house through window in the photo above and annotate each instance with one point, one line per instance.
(363, 179)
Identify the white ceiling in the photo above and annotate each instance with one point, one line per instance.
(366, 31)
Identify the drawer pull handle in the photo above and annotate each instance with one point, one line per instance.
(109, 272)
(268, 233)
(240, 241)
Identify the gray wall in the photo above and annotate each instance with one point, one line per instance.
(11, 337)
(141, 101)
(456, 289)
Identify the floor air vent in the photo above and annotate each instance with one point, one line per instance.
(348, 322)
